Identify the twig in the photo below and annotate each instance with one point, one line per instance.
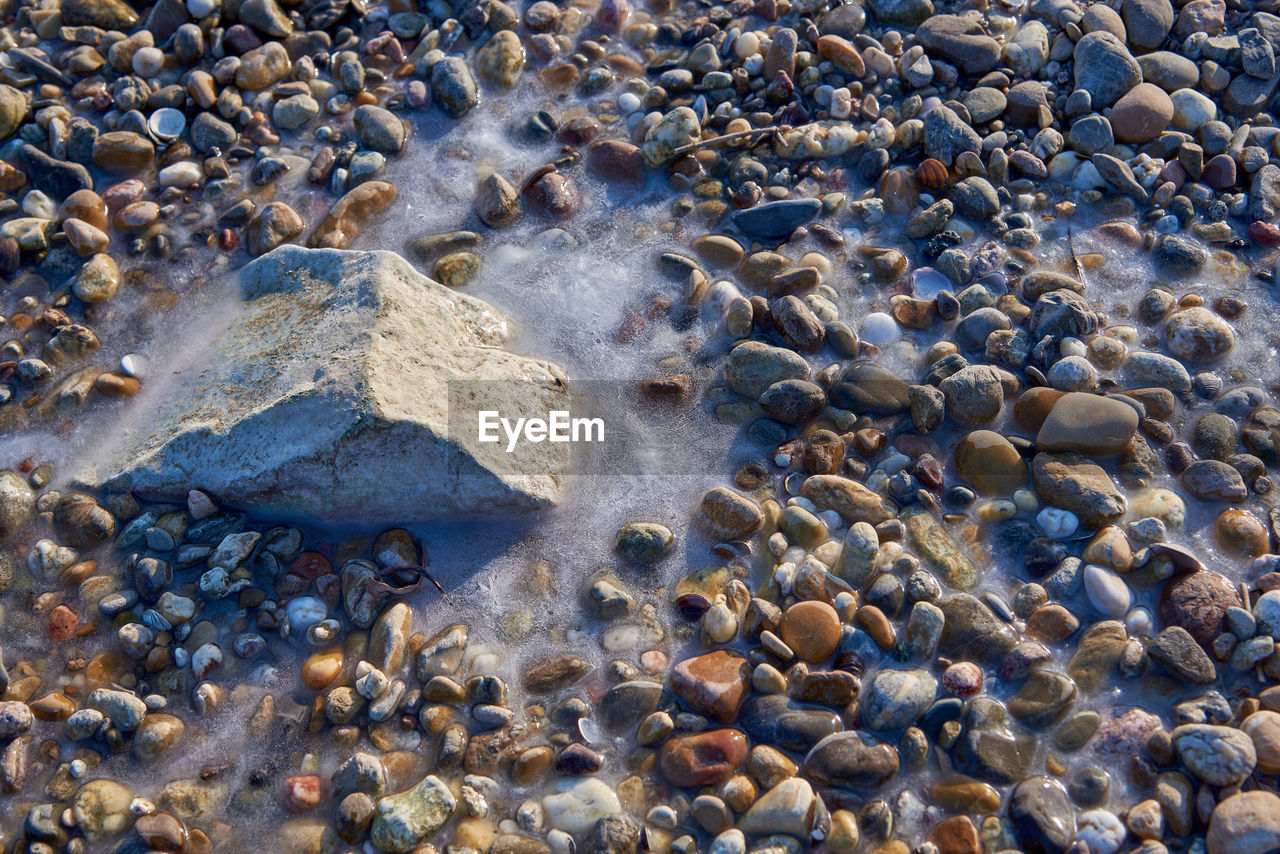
(724, 139)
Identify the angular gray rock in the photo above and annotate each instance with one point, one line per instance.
(1104, 68)
(327, 394)
(946, 135)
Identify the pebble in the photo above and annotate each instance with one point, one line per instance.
(811, 629)
(1245, 822)
(1218, 755)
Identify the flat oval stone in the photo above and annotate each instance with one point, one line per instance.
(990, 463)
(776, 219)
(1088, 424)
(776, 720)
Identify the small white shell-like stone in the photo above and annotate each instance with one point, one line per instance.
(1057, 523)
(209, 697)
(1107, 591)
(304, 612)
(166, 124)
(205, 659)
(784, 574)
(1101, 831)
(39, 205)
(879, 329)
(1163, 504)
(719, 623)
(148, 61)
(1139, 622)
(184, 173)
(134, 365)
(370, 681)
(141, 807)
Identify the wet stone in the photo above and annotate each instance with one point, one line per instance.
(715, 683)
(1043, 816)
(1177, 651)
(703, 759)
(775, 720)
(851, 759)
(972, 631)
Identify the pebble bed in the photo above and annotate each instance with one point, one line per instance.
(961, 322)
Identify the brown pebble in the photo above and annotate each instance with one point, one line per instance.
(117, 385)
(811, 629)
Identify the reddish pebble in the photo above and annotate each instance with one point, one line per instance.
(63, 623)
(302, 793)
(1264, 233)
(612, 15)
(418, 94)
(654, 661)
(118, 195)
(311, 565)
(1174, 172)
(962, 679)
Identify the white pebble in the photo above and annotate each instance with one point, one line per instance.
(628, 102)
(1107, 591)
(719, 623)
(1139, 622)
(803, 503)
(1101, 832)
(205, 659)
(1057, 523)
(560, 842)
(1267, 612)
(784, 575)
(181, 174)
(745, 45)
(133, 365)
(141, 807)
(879, 329)
(1072, 347)
(832, 519)
(148, 61)
(304, 612)
(78, 768)
(201, 8)
(37, 204)
(734, 309)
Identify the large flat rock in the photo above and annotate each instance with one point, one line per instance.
(328, 395)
